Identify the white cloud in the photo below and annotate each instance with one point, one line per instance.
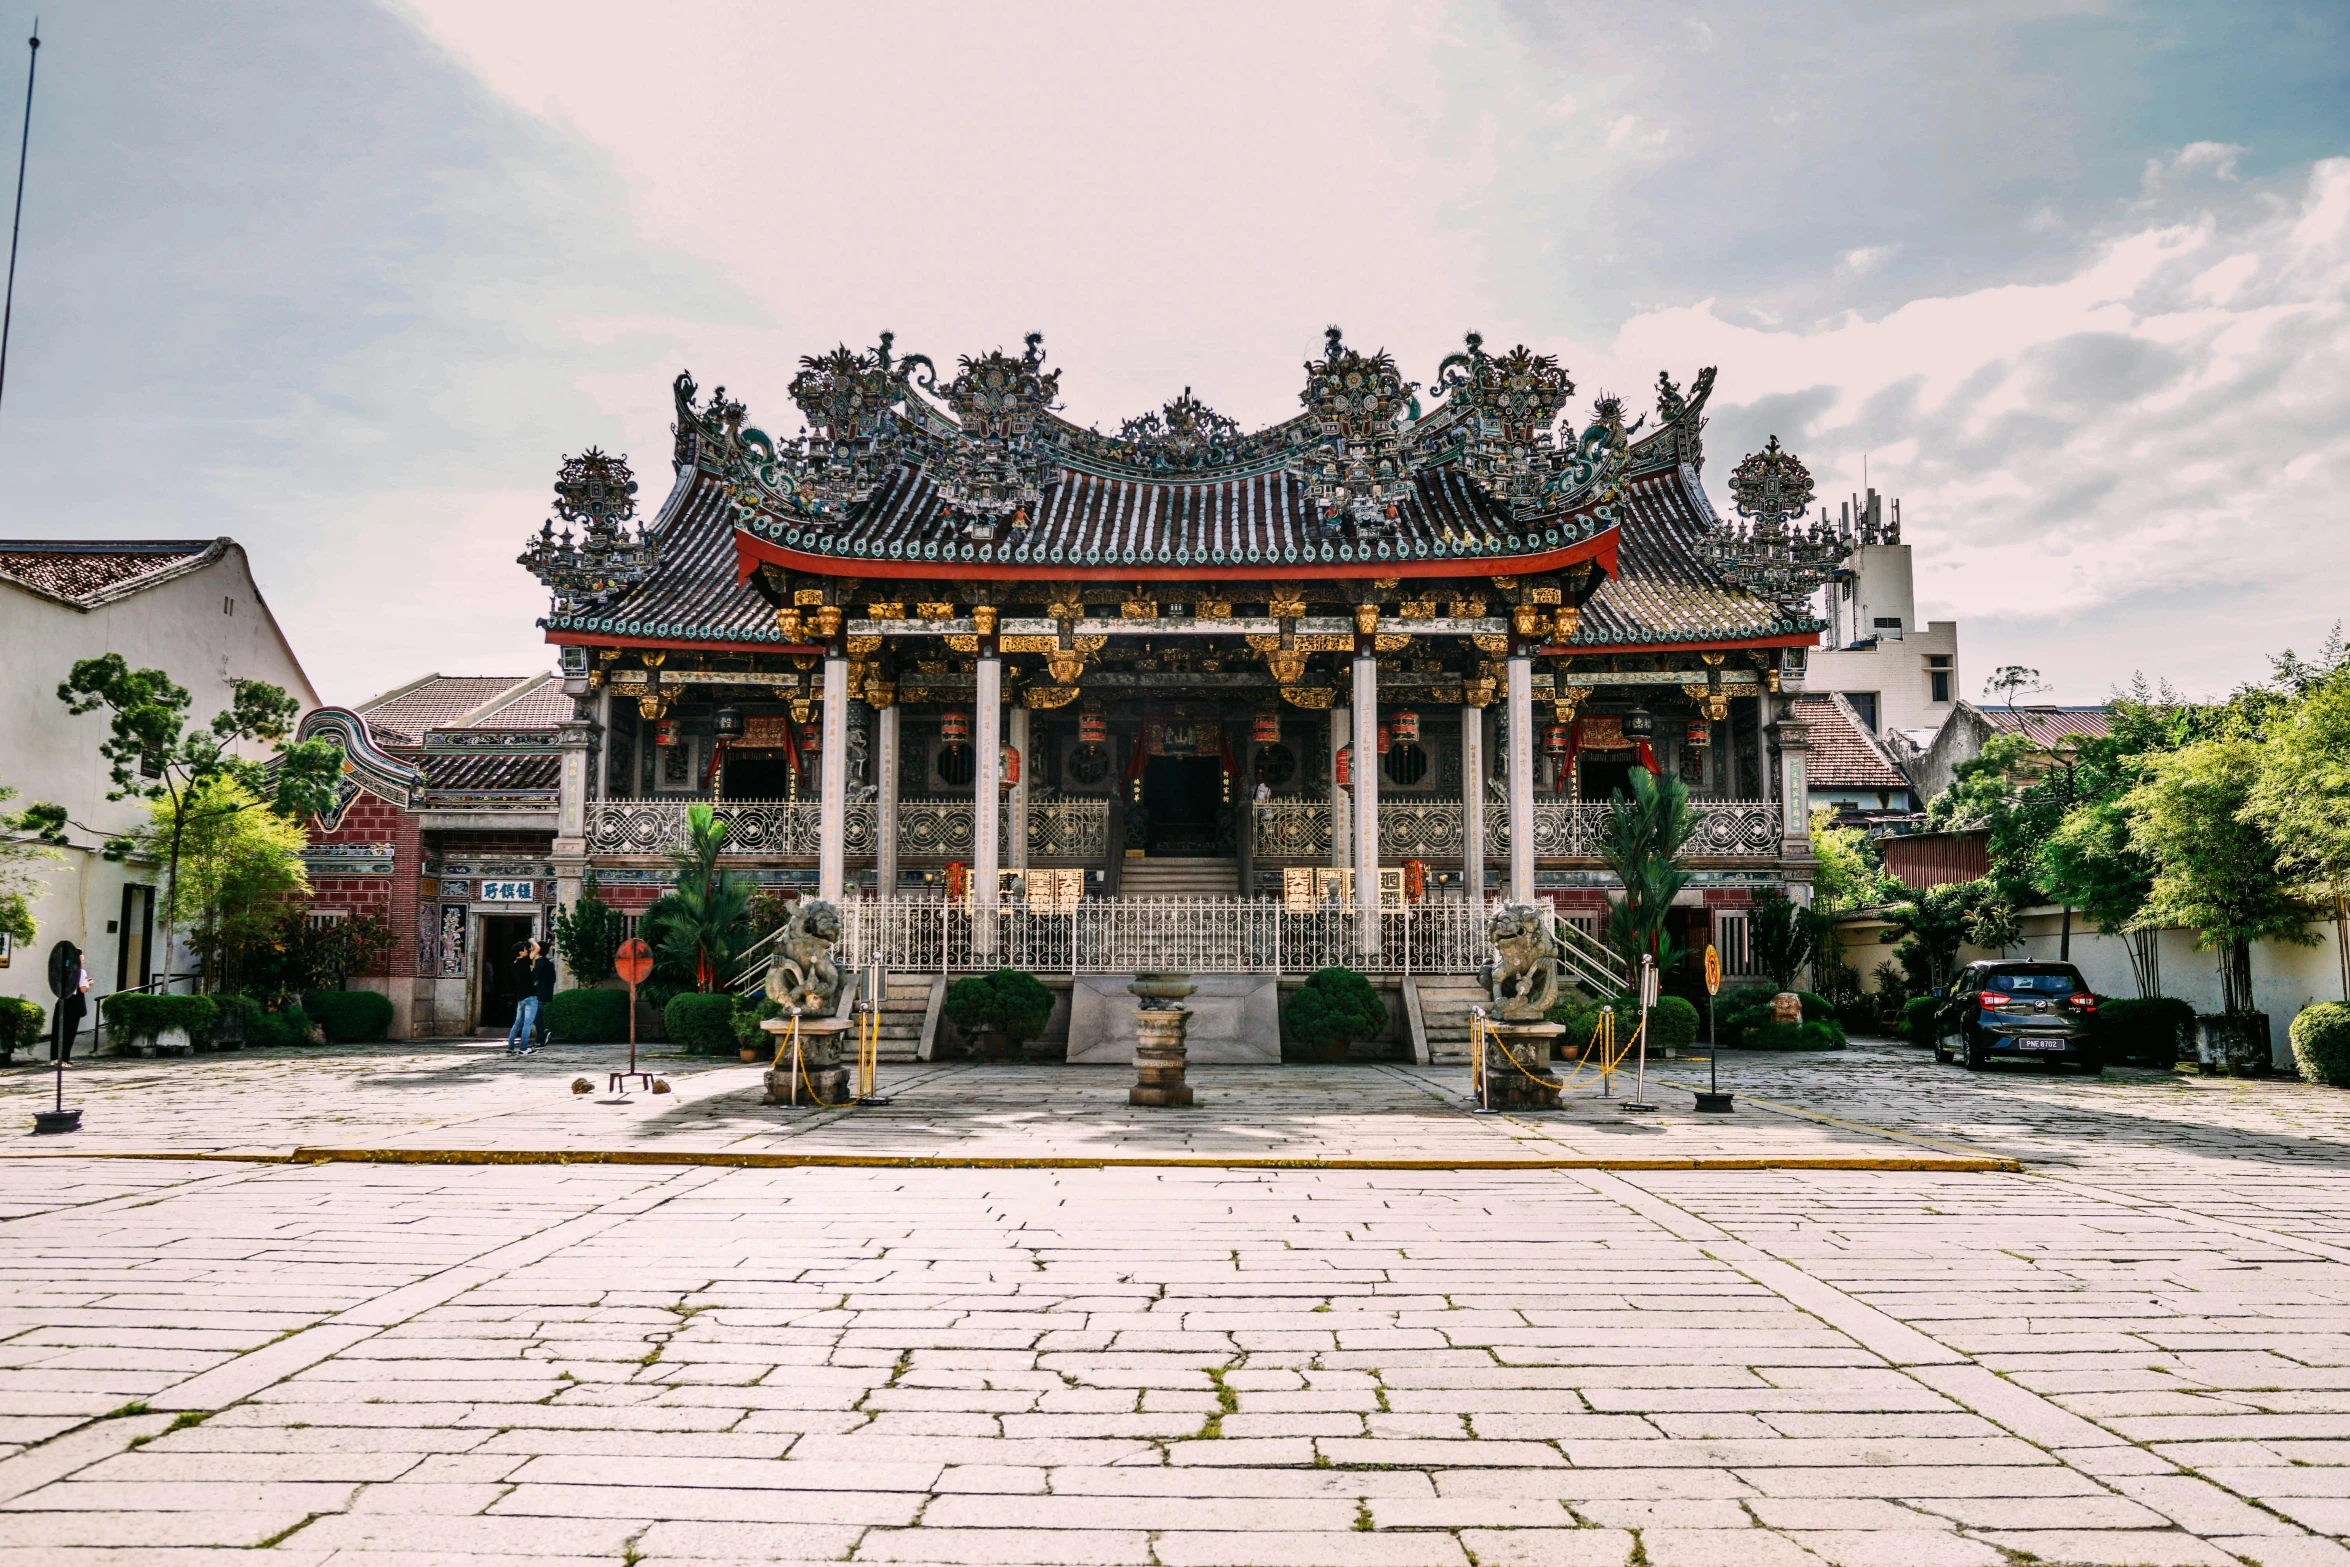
(1865, 259)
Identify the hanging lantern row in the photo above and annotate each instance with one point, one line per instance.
(1554, 739)
(727, 723)
(1267, 729)
(665, 732)
(1406, 725)
(1639, 724)
(811, 737)
(1701, 733)
(1093, 729)
(955, 728)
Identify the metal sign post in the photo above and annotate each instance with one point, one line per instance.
(65, 980)
(634, 963)
(1712, 1100)
(1648, 988)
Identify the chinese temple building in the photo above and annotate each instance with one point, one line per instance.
(1013, 690)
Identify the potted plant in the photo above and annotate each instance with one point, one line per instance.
(158, 1025)
(1000, 1012)
(1331, 1010)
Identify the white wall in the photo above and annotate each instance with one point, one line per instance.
(1896, 671)
(47, 754)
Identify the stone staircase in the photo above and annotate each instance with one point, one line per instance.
(903, 1011)
(1445, 1000)
(1170, 877)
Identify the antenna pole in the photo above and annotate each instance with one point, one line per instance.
(16, 225)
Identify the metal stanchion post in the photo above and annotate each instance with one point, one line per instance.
(1648, 988)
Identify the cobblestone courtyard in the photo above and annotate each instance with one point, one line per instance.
(1440, 1338)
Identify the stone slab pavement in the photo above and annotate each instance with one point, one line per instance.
(2133, 1349)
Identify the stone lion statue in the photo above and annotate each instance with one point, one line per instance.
(801, 975)
(1526, 977)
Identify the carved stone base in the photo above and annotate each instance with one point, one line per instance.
(1512, 1046)
(822, 1080)
(1160, 1059)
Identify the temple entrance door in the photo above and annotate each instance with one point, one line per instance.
(505, 978)
(1600, 774)
(1182, 796)
(758, 775)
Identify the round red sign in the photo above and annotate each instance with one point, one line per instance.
(634, 960)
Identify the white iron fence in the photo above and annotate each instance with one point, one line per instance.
(1057, 829)
(1417, 830)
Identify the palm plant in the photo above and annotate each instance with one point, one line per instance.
(700, 925)
(1642, 842)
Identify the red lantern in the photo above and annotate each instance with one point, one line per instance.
(955, 728)
(1406, 725)
(1554, 739)
(665, 732)
(1093, 728)
(812, 737)
(1385, 740)
(1701, 733)
(1267, 730)
(1009, 762)
(1346, 766)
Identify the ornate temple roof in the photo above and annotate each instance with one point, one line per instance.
(899, 477)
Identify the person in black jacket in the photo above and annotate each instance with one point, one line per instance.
(542, 991)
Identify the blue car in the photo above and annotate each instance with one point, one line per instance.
(2000, 1011)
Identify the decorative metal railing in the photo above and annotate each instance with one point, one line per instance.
(1299, 830)
(1057, 829)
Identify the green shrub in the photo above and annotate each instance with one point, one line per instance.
(749, 1012)
(2151, 1031)
(703, 1024)
(21, 1023)
(2321, 1043)
(587, 1016)
(133, 1014)
(350, 1017)
(1815, 1034)
(1918, 1015)
(1334, 1008)
(1672, 1024)
(272, 1030)
(237, 1015)
(1010, 1001)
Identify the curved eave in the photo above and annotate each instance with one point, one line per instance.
(1697, 643)
(752, 552)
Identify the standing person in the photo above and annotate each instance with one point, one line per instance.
(72, 1007)
(542, 991)
(526, 1010)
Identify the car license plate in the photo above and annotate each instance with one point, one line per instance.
(2040, 1044)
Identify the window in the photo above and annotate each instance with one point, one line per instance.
(1865, 704)
(957, 766)
(1888, 626)
(1938, 675)
(1731, 937)
(1406, 765)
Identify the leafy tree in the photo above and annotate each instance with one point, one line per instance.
(700, 925)
(588, 934)
(155, 756)
(2216, 872)
(2012, 680)
(2093, 863)
(237, 868)
(28, 839)
(326, 953)
(1641, 840)
(1850, 873)
(1935, 923)
(1785, 936)
(2301, 797)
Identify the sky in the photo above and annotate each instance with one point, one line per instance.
(346, 282)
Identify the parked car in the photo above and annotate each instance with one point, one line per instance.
(2002, 1011)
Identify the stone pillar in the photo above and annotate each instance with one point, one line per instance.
(1342, 844)
(885, 801)
(986, 799)
(1473, 802)
(832, 785)
(1016, 848)
(1245, 837)
(1794, 823)
(1520, 771)
(1366, 801)
(574, 742)
(600, 775)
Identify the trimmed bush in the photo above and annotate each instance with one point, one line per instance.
(1010, 1001)
(234, 1026)
(1817, 1034)
(21, 1023)
(588, 1016)
(1918, 1017)
(2321, 1043)
(272, 1030)
(134, 1015)
(1334, 1008)
(703, 1024)
(2153, 1031)
(1672, 1024)
(350, 1017)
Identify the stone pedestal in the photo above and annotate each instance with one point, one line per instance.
(1527, 1045)
(822, 1079)
(1160, 1059)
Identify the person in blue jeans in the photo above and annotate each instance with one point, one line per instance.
(526, 1011)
